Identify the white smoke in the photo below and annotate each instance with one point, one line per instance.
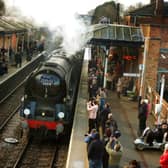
(54, 14)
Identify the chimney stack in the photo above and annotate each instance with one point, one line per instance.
(118, 13)
(159, 5)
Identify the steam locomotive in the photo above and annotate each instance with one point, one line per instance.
(50, 94)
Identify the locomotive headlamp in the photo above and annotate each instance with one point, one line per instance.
(61, 115)
(26, 111)
(43, 114)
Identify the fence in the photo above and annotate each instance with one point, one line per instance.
(154, 99)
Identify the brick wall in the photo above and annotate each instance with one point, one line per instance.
(152, 59)
(158, 38)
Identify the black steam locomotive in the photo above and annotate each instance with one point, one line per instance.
(50, 94)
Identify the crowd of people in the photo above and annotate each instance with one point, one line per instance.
(103, 145)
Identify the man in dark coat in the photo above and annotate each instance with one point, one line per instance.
(18, 57)
(95, 152)
(142, 116)
(104, 116)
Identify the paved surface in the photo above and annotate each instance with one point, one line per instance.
(125, 112)
(12, 69)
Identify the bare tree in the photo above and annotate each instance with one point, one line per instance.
(132, 8)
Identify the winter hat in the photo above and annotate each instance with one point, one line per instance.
(166, 146)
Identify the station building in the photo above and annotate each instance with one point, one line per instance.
(141, 46)
(153, 20)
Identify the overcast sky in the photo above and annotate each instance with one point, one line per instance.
(80, 6)
(60, 10)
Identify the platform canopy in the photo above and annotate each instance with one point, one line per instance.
(13, 24)
(115, 35)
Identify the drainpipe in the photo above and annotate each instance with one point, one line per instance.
(143, 70)
(161, 96)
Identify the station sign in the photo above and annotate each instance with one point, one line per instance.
(131, 74)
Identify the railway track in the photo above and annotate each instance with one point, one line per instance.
(24, 153)
(10, 106)
(9, 126)
(37, 153)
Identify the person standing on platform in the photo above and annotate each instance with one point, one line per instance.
(111, 125)
(95, 152)
(164, 157)
(92, 108)
(104, 116)
(119, 87)
(109, 80)
(142, 116)
(94, 88)
(103, 96)
(115, 151)
(18, 57)
(90, 136)
(10, 55)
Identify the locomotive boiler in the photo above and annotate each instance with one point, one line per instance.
(50, 94)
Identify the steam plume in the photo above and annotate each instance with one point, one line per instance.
(58, 16)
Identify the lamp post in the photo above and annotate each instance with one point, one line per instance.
(105, 68)
(142, 69)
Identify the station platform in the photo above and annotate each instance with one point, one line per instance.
(13, 69)
(16, 75)
(125, 112)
